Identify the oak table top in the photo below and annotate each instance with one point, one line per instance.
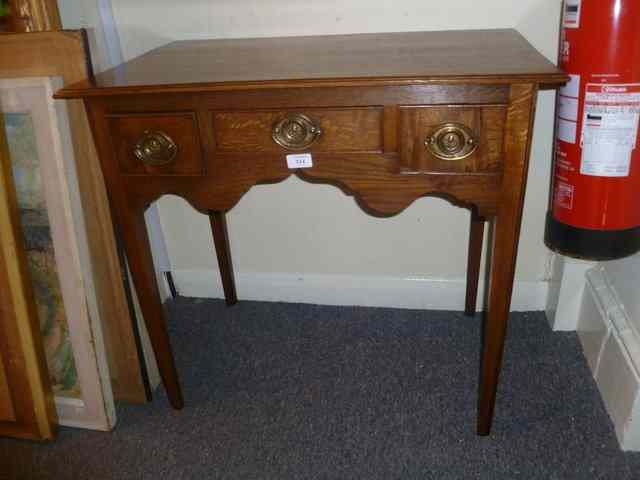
(412, 58)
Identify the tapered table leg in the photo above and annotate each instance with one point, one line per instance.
(503, 259)
(223, 252)
(504, 250)
(476, 238)
(136, 243)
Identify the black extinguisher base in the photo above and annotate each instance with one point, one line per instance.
(589, 244)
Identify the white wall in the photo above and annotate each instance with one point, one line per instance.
(304, 229)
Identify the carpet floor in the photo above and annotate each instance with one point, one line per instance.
(292, 391)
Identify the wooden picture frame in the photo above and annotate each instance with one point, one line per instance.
(27, 408)
(64, 54)
(89, 403)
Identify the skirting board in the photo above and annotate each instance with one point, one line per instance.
(370, 291)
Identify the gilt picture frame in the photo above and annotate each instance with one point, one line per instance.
(29, 15)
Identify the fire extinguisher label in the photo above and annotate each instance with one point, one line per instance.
(572, 88)
(609, 129)
(568, 106)
(564, 195)
(571, 16)
(567, 130)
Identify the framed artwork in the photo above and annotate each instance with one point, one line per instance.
(54, 238)
(64, 54)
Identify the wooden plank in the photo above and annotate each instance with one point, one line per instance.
(7, 342)
(30, 397)
(63, 54)
(7, 412)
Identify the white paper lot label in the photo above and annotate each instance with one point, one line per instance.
(300, 160)
(609, 129)
(571, 14)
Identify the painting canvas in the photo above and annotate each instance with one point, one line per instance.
(40, 253)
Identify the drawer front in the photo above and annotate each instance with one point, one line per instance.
(316, 130)
(451, 139)
(157, 144)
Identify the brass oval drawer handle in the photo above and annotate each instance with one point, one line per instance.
(296, 132)
(451, 141)
(155, 148)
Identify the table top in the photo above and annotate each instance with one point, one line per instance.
(480, 56)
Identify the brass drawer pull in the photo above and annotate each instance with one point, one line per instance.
(451, 141)
(296, 132)
(155, 148)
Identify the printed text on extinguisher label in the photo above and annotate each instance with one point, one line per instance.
(609, 129)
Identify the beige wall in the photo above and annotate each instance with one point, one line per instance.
(292, 227)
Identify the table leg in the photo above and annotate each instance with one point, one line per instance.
(476, 238)
(503, 261)
(223, 252)
(504, 249)
(136, 243)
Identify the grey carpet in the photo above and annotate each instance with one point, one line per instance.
(290, 391)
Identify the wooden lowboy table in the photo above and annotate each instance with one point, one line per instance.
(388, 118)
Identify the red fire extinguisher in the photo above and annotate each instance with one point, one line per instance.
(595, 202)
